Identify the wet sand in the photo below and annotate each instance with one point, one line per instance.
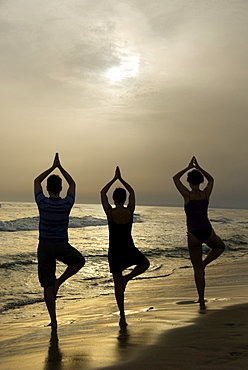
(166, 328)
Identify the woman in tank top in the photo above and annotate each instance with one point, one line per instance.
(199, 228)
(122, 251)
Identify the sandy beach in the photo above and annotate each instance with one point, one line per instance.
(166, 329)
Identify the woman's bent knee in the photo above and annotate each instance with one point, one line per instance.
(219, 245)
(146, 262)
(82, 263)
(215, 242)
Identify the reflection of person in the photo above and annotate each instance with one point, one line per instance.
(53, 234)
(199, 228)
(55, 356)
(122, 252)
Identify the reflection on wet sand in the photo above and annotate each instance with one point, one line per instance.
(60, 360)
(54, 355)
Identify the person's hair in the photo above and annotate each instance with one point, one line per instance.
(119, 195)
(195, 177)
(54, 184)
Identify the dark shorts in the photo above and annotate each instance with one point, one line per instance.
(48, 253)
(202, 234)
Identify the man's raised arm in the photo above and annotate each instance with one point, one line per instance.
(42, 176)
(67, 176)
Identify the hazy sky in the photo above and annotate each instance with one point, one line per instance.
(140, 84)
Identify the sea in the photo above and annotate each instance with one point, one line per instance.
(159, 232)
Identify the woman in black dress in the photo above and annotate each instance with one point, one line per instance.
(122, 252)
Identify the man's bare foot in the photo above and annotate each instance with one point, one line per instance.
(53, 325)
(122, 323)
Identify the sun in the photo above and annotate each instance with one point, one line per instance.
(129, 67)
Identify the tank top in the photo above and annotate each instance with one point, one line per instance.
(197, 214)
(120, 234)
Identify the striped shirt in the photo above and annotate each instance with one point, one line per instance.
(54, 216)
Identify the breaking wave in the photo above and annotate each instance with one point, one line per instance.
(32, 223)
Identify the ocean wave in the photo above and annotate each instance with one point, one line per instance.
(20, 259)
(177, 252)
(20, 224)
(155, 267)
(32, 223)
(222, 220)
(8, 265)
(238, 240)
(155, 276)
(78, 222)
(20, 303)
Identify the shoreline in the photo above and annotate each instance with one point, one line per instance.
(166, 328)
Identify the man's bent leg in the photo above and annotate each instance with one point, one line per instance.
(70, 271)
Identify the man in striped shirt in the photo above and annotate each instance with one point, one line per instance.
(53, 234)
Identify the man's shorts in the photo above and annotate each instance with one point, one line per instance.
(48, 253)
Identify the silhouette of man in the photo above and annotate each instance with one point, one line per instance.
(53, 234)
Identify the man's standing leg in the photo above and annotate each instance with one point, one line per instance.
(50, 299)
(46, 273)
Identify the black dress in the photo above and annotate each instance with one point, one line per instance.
(122, 251)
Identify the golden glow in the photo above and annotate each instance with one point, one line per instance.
(129, 67)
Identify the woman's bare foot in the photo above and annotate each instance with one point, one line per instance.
(202, 305)
(122, 323)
